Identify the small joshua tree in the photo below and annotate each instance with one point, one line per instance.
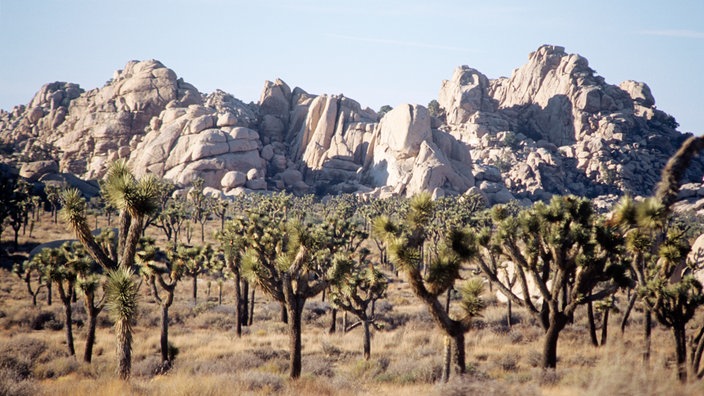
(358, 291)
(406, 243)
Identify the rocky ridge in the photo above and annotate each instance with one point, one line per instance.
(553, 127)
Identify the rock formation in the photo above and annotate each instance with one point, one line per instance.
(553, 127)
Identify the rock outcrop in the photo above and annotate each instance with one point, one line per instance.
(553, 127)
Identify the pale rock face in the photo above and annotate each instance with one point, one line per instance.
(188, 145)
(233, 179)
(403, 129)
(409, 157)
(102, 121)
(465, 94)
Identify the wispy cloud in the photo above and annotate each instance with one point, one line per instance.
(414, 44)
(681, 33)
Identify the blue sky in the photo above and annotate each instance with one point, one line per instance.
(376, 52)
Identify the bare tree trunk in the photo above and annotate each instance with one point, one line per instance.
(367, 339)
(459, 353)
(647, 322)
(681, 342)
(592, 325)
(244, 292)
(294, 329)
(238, 306)
(631, 303)
(90, 339)
(164, 338)
(195, 289)
(333, 321)
(557, 323)
(605, 325)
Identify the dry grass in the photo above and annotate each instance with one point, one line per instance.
(406, 354)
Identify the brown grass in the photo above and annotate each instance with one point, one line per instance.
(406, 354)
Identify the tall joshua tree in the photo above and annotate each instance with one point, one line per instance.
(281, 258)
(565, 251)
(135, 199)
(659, 254)
(442, 268)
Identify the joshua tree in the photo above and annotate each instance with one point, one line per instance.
(30, 270)
(202, 205)
(88, 283)
(659, 255)
(122, 292)
(232, 245)
(166, 272)
(195, 262)
(357, 293)
(57, 270)
(565, 252)
(280, 257)
(406, 243)
(135, 199)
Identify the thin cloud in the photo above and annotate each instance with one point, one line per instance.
(413, 44)
(681, 33)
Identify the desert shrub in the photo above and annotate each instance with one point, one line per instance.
(16, 367)
(508, 362)
(413, 371)
(330, 350)
(534, 358)
(11, 385)
(45, 320)
(55, 368)
(147, 367)
(257, 381)
(318, 366)
(213, 320)
(478, 385)
(368, 369)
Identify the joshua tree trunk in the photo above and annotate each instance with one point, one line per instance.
(647, 322)
(605, 325)
(238, 305)
(333, 321)
(458, 352)
(123, 332)
(631, 303)
(367, 339)
(195, 289)
(66, 300)
(294, 334)
(679, 331)
(592, 325)
(48, 293)
(164, 339)
(90, 339)
(244, 290)
(557, 323)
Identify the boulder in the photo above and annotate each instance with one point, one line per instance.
(32, 171)
(233, 179)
